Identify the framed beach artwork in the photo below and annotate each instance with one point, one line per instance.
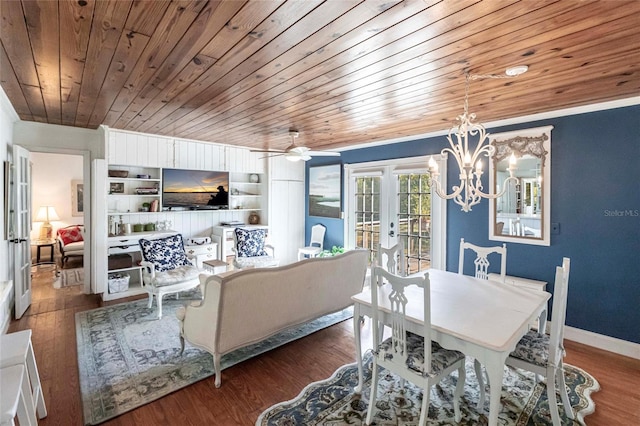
(77, 189)
(324, 191)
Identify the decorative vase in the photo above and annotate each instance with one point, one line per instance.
(254, 218)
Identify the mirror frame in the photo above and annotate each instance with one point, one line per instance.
(535, 142)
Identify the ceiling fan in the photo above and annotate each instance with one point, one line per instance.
(297, 152)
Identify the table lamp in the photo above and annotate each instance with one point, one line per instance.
(45, 214)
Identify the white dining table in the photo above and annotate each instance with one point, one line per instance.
(480, 318)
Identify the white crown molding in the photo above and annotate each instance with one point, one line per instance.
(600, 341)
(620, 103)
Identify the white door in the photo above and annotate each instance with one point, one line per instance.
(388, 201)
(21, 206)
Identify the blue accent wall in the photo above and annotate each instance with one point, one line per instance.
(595, 197)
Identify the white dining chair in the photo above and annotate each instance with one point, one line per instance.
(408, 355)
(481, 270)
(392, 259)
(481, 262)
(543, 353)
(316, 244)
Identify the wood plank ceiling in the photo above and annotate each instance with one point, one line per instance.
(341, 72)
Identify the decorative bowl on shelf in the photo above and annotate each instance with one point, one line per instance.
(118, 173)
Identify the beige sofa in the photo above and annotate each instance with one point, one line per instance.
(244, 307)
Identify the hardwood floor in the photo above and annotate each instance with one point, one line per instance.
(254, 385)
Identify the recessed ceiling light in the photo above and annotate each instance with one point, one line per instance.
(517, 70)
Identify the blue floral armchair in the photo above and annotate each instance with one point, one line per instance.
(166, 268)
(251, 250)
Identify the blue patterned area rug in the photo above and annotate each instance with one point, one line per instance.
(332, 402)
(128, 358)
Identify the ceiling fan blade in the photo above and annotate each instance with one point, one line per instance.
(273, 154)
(279, 151)
(323, 153)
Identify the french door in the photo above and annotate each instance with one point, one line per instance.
(21, 216)
(391, 201)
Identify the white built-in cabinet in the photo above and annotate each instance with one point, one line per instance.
(286, 207)
(144, 154)
(278, 196)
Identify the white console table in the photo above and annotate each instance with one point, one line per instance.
(202, 253)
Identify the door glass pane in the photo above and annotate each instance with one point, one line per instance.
(367, 202)
(414, 219)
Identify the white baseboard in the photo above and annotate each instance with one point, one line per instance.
(601, 341)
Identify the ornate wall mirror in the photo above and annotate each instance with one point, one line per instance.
(522, 213)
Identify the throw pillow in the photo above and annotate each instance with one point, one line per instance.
(250, 242)
(165, 253)
(70, 235)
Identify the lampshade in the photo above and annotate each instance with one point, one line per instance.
(46, 214)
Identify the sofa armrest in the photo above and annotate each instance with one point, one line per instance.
(199, 323)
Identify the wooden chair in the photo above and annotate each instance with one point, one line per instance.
(316, 245)
(482, 262)
(542, 353)
(395, 260)
(412, 357)
(166, 268)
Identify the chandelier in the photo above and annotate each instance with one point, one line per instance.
(470, 192)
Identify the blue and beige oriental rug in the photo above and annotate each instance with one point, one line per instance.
(128, 358)
(332, 402)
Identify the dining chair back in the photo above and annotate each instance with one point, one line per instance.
(543, 353)
(481, 262)
(392, 259)
(316, 244)
(410, 356)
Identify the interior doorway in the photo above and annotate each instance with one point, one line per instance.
(57, 197)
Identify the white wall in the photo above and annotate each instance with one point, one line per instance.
(51, 186)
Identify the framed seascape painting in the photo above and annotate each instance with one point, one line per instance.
(324, 191)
